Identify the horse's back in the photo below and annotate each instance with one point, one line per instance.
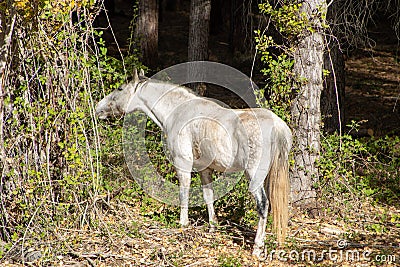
(265, 119)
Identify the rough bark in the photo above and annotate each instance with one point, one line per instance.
(198, 35)
(305, 109)
(147, 32)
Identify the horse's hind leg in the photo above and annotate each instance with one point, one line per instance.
(208, 194)
(184, 186)
(262, 204)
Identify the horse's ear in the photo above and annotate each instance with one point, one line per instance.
(141, 73)
(135, 76)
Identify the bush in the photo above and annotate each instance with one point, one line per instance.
(354, 170)
(52, 171)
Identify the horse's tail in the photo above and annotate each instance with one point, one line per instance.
(278, 181)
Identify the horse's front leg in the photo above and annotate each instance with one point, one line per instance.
(184, 186)
(208, 194)
(180, 147)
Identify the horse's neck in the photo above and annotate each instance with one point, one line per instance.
(161, 99)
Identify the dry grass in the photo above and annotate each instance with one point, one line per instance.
(126, 237)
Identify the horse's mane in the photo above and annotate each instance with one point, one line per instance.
(189, 90)
(178, 87)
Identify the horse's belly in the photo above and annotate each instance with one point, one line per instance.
(215, 165)
(218, 146)
(219, 159)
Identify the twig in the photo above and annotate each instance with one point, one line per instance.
(162, 249)
(26, 231)
(98, 255)
(77, 255)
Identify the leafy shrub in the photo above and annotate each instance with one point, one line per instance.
(354, 169)
(228, 261)
(52, 171)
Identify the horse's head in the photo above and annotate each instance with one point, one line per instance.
(116, 102)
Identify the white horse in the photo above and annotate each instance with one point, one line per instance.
(205, 135)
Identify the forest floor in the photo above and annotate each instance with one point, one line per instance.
(128, 236)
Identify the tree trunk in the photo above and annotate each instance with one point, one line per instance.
(147, 32)
(305, 109)
(333, 95)
(7, 23)
(198, 36)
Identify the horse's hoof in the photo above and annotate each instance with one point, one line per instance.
(258, 253)
(213, 226)
(184, 224)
